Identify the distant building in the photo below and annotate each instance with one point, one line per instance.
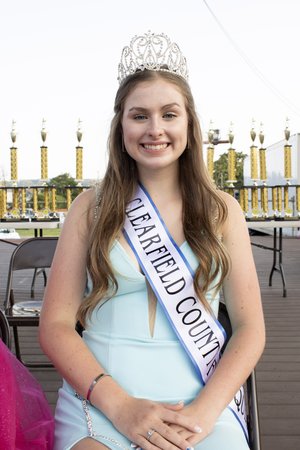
(275, 174)
(275, 163)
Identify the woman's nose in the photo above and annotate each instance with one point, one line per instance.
(155, 128)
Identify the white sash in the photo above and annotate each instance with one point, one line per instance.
(171, 278)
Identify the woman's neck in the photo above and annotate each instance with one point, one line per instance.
(162, 187)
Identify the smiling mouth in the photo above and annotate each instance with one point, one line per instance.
(155, 147)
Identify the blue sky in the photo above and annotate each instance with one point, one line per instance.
(59, 62)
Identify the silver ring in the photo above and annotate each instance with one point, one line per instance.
(149, 433)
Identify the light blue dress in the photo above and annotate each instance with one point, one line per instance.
(156, 368)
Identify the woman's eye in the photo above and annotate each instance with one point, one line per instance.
(169, 115)
(140, 117)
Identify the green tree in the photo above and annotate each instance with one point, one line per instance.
(60, 182)
(221, 170)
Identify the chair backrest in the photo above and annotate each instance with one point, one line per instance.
(35, 253)
(4, 329)
(223, 318)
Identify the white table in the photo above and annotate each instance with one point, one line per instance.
(38, 226)
(277, 226)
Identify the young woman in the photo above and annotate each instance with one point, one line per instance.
(140, 263)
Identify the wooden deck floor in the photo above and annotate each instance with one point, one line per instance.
(278, 372)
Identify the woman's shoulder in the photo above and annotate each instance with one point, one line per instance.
(86, 200)
(235, 215)
(229, 200)
(82, 211)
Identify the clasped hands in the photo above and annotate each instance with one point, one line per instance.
(151, 425)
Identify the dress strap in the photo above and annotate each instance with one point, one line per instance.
(98, 198)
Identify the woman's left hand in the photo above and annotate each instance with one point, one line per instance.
(207, 424)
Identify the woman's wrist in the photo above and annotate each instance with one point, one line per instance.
(93, 384)
(201, 409)
(107, 396)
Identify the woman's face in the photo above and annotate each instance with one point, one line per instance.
(155, 125)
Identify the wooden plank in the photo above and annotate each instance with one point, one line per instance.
(289, 412)
(278, 372)
(283, 442)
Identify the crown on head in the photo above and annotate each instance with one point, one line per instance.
(152, 52)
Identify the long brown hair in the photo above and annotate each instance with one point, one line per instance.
(204, 211)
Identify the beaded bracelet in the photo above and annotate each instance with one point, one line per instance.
(94, 382)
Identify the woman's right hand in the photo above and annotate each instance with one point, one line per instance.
(136, 417)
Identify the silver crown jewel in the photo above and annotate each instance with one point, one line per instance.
(152, 52)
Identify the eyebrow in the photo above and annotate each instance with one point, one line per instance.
(141, 109)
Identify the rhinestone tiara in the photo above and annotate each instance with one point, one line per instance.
(152, 52)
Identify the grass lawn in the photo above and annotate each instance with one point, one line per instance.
(24, 233)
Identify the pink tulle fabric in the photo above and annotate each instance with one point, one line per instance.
(26, 420)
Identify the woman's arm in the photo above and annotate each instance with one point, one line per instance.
(243, 301)
(63, 295)
(59, 340)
